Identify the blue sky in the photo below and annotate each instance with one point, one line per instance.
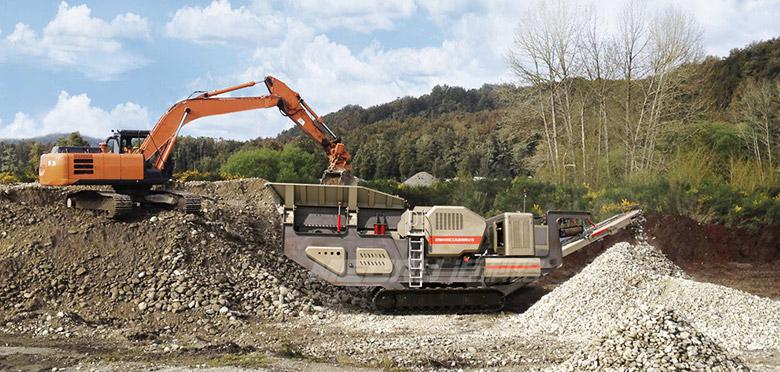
(94, 66)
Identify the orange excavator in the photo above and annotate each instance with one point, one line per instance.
(133, 161)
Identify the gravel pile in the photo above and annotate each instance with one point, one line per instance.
(208, 270)
(736, 319)
(625, 278)
(653, 339)
(615, 283)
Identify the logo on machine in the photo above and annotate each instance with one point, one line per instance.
(456, 239)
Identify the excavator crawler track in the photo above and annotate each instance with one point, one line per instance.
(116, 205)
(123, 206)
(191, 203)
(183, 201)
(437, 300)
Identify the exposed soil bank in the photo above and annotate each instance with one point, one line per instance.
(738, 258)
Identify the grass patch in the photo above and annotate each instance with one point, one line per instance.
(289, 351)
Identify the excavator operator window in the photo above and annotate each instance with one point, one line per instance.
(112, 145)
(131, 143)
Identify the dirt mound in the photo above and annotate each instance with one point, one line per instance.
(208, 269)
(685, 241)
(653, 339)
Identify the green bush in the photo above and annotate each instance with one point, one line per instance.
(8, 178)
(291, 164)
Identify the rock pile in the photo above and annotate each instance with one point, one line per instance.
(615, 283)
(626, 278)
(653, 339)
(226, 262)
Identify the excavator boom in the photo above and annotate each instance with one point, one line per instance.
(158, 145)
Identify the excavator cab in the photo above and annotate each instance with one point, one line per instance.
(125, 141)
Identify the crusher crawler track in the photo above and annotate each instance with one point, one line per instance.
(435, 300)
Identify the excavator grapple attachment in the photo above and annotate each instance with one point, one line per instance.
(344, 178)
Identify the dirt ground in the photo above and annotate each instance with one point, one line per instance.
(73, 299)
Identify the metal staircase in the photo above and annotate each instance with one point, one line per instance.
(416, 242)
(416, 260)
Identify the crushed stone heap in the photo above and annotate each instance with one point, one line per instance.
(626, 277)
(226, 262)
(653, 339)
(616, 282)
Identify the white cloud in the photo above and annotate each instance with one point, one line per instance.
(727, 24)
(360, 16)
(74, 39)
(242, 125)
(74, 113)
(733, 24)
(305, 50)
(471, 55)
(220, 22)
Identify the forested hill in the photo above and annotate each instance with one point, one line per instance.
(447, 131)
(484, 132)
(443, 99)
(758, 61)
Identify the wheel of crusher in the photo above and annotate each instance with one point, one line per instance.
(122, 206)
(433, 300)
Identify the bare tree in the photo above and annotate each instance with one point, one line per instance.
(651, 51)
(590, 86)
(630, 44)
(758, 104)
(600, 67)
(675, 39)
(545, 56)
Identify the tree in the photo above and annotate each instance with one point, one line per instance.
(8, 162)
(74, 139)
(296, 165)
(33, 159)
(581, 79)
(545, 55)
(759, 106)
(263, 163)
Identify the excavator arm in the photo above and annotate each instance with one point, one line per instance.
(158, 146)
(294, 107)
